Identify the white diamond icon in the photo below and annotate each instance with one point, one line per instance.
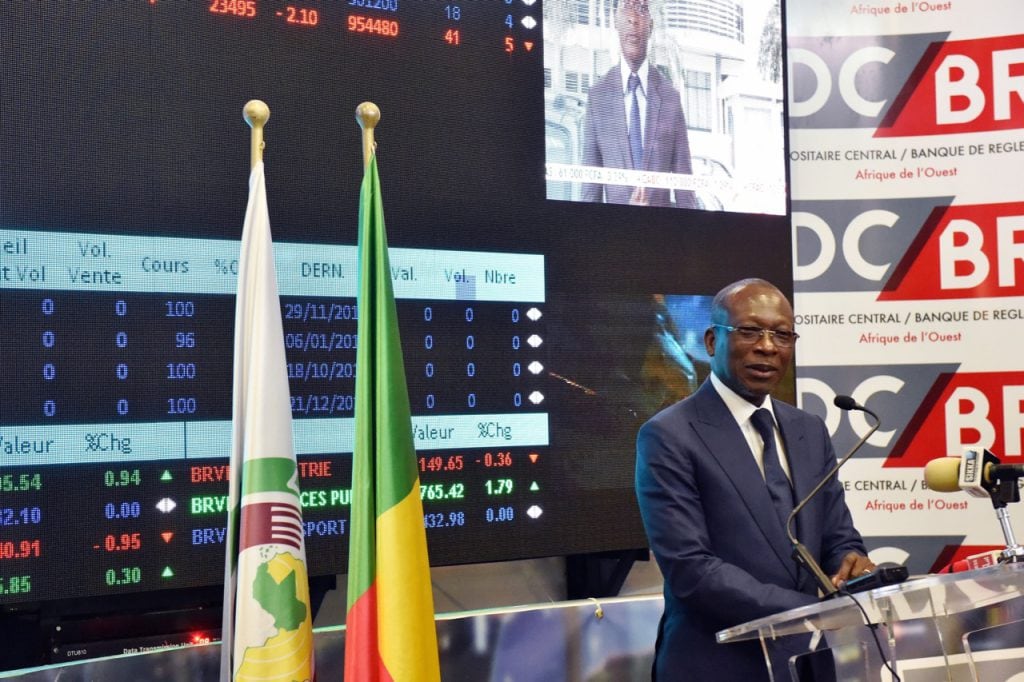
(536, 397)
(166, 505)
(535, 367)
(534, 314)
(529, 22)
(534, 512)
(529, 3)
(534, 340)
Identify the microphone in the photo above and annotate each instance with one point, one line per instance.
(845, 402)
(976, 473)
(979, 473)
(801, 554)
(990, 558)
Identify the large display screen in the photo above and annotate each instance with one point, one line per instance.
(540, 328)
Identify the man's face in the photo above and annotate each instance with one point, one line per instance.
(633, 22)
(752, 369)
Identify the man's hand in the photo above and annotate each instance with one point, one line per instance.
(853, 565)
(639, 197)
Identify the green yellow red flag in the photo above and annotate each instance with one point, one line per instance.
(390, 630)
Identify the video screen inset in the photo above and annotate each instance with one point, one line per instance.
(707, 97)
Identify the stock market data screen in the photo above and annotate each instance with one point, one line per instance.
(540, 328)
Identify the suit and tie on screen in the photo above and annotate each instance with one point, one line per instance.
(635, 120)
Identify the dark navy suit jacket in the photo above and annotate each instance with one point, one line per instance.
(723, 552)
(606, 142)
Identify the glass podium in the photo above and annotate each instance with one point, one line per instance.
(942, 628)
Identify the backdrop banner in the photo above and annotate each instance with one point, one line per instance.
(906, 144)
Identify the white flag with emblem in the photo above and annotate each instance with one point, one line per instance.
(267, 633)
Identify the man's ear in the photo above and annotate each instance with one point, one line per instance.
(709, 341)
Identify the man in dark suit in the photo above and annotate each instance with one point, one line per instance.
(634, 119)
(709, 491)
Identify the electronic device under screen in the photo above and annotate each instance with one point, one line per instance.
(539, 330)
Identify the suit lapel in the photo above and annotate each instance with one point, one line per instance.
(802, 473)
(795, 441)
(726, 444)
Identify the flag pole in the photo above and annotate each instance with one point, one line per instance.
(267, 631)
(256, 113)
(391, 630)
(368, 116)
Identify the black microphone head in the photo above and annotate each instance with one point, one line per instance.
(845, 402)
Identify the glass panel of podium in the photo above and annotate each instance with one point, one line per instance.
(941, 628)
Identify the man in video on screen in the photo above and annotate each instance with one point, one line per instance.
(715, 495)
(634, 119)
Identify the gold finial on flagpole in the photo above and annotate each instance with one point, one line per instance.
(368, 116)
(256, 113)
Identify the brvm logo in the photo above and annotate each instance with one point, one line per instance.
(980, 410)
(962, 86)
(963, 251)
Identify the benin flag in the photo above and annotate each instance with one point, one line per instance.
(267, 632)
(390, 623)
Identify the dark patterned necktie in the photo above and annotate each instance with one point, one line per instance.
(774, 477)
(636, 143)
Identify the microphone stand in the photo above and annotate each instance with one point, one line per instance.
(1014, 552)
(801, 554)
(1003, 492)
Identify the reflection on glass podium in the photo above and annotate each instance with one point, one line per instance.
(950, 628)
